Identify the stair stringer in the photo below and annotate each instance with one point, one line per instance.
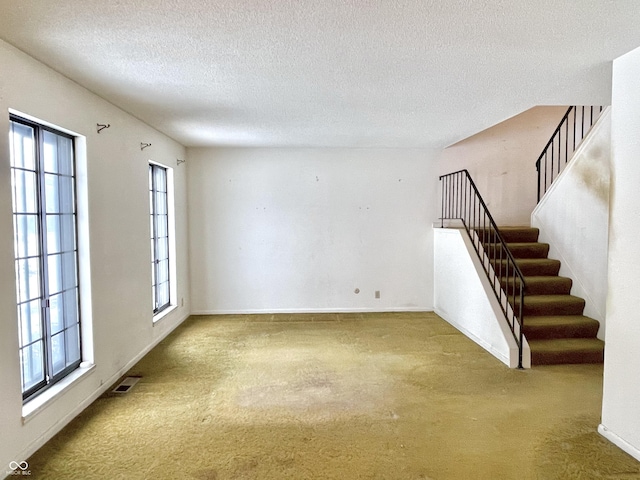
(573, 219)
(464, 297)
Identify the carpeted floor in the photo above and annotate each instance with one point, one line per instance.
(337, 396)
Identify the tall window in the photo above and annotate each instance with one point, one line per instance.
(158, 197)
(44, 221)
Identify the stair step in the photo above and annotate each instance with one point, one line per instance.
(560, 326)
(551, 305)
(542, 285)
(529, 249)
(519, 234)
(520, 250)
(508, 234)
(566, 350)
(531, 266)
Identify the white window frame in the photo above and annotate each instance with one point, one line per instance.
(48, 248)
(170, 207)
(38, 403)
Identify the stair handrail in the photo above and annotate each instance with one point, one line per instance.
(461, 200)
(582, 123)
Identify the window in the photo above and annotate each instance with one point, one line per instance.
(44, 221)
(160, 264)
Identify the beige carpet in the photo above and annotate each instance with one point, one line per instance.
(375, 396)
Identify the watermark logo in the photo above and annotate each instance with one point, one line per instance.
(18, 469)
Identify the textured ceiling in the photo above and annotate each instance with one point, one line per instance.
(335, 73)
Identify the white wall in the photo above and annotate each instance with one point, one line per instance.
(501, 161)
(119, 248)
(464, 298)
(621, 397)
(279, 230)
(573, 217)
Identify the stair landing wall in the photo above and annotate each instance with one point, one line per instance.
(501, 160)
(573, 217)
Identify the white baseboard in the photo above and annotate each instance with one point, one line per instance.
(310, 310)
(484, 344)
(619, 442)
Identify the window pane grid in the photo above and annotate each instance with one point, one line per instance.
(33, 342)
(25, 191)
(22, 141)
(43, 190)
(25, 234)
(28, 284)
(31, 359)
(29, 316)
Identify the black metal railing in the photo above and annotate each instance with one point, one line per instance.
(462, 201)
(573, 127)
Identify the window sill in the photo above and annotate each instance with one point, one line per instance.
(164, 313)
(37, 404)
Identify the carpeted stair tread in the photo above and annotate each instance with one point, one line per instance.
(509, 234)
(552, 305)
(521, 250)
(543, 285)
(531, 266)
(529, 249)
(519, 234)
(560, 326)
(566, 350)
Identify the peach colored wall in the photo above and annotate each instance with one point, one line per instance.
(501, 161)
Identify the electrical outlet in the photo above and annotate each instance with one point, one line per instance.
(377, 293)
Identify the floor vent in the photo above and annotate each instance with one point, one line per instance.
(126, 384)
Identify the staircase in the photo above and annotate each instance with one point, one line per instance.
(554, 324)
